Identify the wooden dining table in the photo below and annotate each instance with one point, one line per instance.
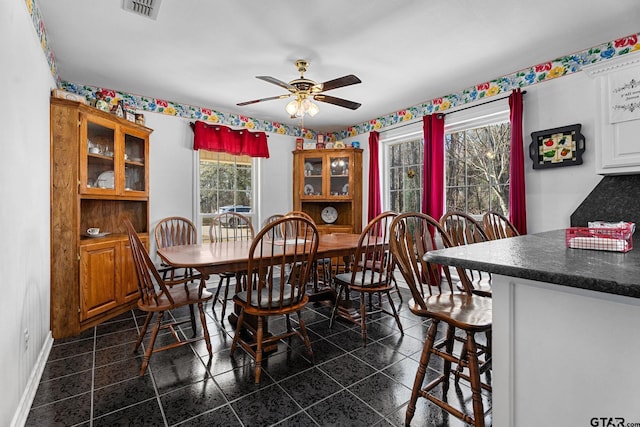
(232, 256)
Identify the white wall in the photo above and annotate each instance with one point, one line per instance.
(25, 84)
(552, 194)
(172, 162)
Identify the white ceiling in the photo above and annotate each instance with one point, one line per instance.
(207, 53)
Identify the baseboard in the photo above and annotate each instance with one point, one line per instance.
(22, 412)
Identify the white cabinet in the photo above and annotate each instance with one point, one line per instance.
(617, 126)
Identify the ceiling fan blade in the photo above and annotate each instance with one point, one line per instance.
(337, 101)
(340, 82)
(254, 101)
(277, 82)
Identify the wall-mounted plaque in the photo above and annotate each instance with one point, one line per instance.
(557, 147)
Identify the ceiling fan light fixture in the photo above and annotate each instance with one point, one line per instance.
(292, 108)
(313, 109)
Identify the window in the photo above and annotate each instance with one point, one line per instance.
(225, 184)
(405, 175)
(477, 154)
(477, 169)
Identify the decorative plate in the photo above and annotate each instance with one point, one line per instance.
(309, 190)
(329, 214)
(97, 235)
(105, 180)
(345, 189)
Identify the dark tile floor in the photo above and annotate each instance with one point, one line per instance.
(92, 379)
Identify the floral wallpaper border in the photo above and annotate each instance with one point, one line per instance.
(520, 79)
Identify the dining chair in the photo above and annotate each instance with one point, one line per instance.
(229, 226)
(498, 226)
(324, 264)
(464, 229)
(435, 298)
(158, 296)
(370, 274)
(277, 286)
(276, 233)
(174, 231)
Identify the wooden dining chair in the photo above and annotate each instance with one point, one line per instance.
(463, 229)
(277, 286)
(325, 265)
(371, 274)
(174, 231)
(276, 233)
(498, 226)
(229, 226)
(435, 298)
(158, 296)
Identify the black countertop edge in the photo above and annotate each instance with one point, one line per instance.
(543, 257)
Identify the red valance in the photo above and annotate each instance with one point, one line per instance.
(237, 142)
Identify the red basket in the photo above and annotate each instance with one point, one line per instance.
(600, 239)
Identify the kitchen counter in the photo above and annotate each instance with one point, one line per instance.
(544, 257)
(566, 330)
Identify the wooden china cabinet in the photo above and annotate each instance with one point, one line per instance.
(99, 175)
(327, 184)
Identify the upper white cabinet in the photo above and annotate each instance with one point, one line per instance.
(617, 126)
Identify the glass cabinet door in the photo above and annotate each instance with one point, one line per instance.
(134, 163)
(339, 176)
(98, 170)
(313, 168)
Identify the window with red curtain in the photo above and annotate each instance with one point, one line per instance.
(219, 138)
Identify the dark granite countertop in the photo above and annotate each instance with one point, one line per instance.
(543, 257)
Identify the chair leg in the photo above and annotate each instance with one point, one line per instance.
(152, 341)
(422, 370)
(449, 341)
(193, 319)
(474, 376)
(236, 336)
(336, 304)
(143, 331)
(215, 297)
(395, 312)
(259, 344)
(226, 295)
(363, 317)
(205, 329)
(305, 336)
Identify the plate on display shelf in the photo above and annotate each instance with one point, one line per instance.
(309, 190)
(105, 180)
(97, 234)
(329, 214)
(345, 189)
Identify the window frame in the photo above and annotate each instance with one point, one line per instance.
(200, 216)
(468, 117)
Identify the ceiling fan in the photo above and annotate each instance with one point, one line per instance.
(304, 90)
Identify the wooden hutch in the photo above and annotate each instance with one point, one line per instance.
(327, 184)
(99, 175)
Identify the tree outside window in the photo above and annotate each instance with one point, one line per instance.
(477, 169)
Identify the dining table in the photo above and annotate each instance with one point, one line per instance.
(210, 258)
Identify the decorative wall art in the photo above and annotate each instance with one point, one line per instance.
(557, 147)
(624, 95)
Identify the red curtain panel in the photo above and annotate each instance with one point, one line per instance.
(375, 203)
(517, 194)
(433, 163)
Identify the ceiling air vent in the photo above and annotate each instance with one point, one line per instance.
(148, 8)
